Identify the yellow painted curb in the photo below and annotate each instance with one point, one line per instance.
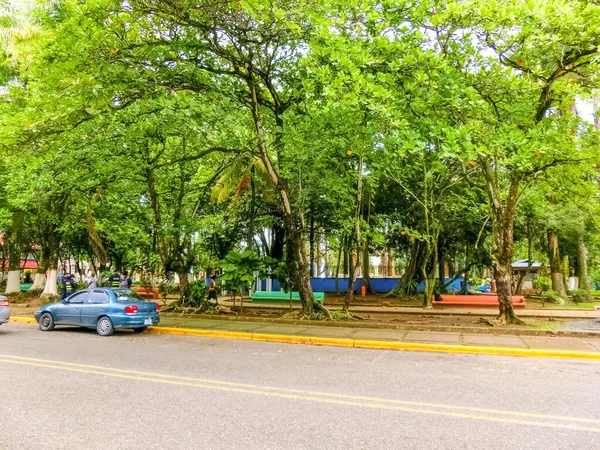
(18, 319)
(337, 342)
(282, 338)
(382, 345)
(203, 333)
(366, 344)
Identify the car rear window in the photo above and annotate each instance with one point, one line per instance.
(126, 295)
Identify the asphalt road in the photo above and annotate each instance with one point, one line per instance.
(75, 390)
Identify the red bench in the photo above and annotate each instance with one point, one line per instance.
(484, 300)
(150, 294)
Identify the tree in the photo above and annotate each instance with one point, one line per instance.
(239, 270)
(519, 67)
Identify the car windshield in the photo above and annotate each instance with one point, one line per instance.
(126, 295)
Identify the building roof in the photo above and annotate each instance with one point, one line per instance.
(524, 263)
(25, 264)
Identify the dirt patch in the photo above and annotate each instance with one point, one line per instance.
(398, 320)
(26, 301)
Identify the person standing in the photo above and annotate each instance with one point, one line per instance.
(92, 282)
(125, 281)
(212, 290)
(114, 280)
(68, 286)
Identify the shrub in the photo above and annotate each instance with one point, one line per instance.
(552, 296)
(542, 284)
(580, 295)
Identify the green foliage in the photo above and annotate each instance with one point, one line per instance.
(278, 270)
(580, 295)
(542, 284)
(165, 288)
(195, 295)
(239, 269)
(128, 150)
(553, 297)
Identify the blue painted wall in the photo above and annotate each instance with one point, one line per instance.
(379, 285)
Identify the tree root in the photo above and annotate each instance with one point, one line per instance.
(510, 320)
(324, 310)
(314, 314)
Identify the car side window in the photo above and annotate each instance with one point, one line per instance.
(78, 298)
(98, 298)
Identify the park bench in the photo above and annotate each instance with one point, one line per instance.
(148, 294)
(282, 297)
(483, 300)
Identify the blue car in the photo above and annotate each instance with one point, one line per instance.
(103, 309)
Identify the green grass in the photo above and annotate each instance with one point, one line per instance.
(537, 304)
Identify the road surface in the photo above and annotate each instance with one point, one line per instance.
(72, 389)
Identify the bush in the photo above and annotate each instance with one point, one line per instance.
(542, 284)
(552, 296)
(580, 295)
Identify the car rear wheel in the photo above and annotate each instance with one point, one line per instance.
(104, 327)
(46, 322)
(140, 330)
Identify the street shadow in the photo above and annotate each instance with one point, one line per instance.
(92, 331)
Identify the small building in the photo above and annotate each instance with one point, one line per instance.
(520, 270)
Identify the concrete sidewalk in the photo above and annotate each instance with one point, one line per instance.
(453, 338)
(456, 311)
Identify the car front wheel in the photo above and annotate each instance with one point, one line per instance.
(46, 322)
(104, 327)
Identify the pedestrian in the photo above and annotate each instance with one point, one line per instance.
(92, 282)
(212, 289)
(114, 280)
(125, 281)
(68, 286)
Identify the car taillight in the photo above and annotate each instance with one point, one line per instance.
(4, 303)
(157, 307)
(131, 309)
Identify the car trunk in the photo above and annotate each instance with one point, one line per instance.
(143, 307)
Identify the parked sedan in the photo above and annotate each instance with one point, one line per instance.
(4, 310)
(103, 309)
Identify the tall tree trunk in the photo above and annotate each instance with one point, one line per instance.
(355, 240)
(428, 268)
(366, 260)
(366, 268)
(296, 253)
(441, 268)
(346, 257)
(184, 283)
(251, 211)
(411, 277)
(13, 284)
(565, 273)
(464, 289)
(311, 240)
(277, 242)
(556, 273)
(582, 272)
(337, 266)
(503, 220)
